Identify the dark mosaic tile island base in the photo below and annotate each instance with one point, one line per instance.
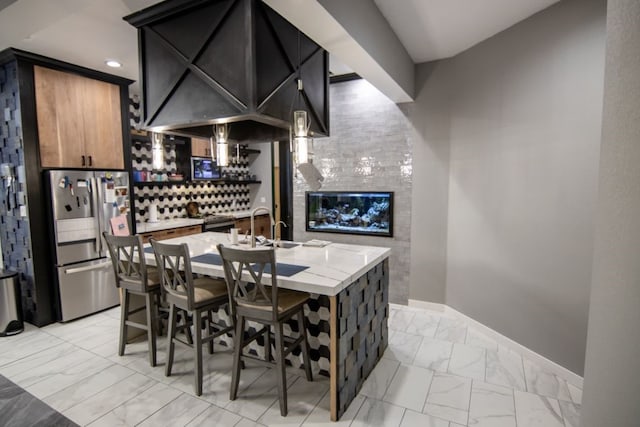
(19, 408)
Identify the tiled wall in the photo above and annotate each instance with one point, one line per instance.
(369, 149)
(172, 199)
(14, 229)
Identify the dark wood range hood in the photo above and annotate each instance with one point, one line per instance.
(204, 62)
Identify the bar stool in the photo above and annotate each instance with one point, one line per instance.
(267, 305)
(135, 278)
(197, 296)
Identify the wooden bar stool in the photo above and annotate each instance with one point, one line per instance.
(200, 297)
(135, 278)
(267, 305)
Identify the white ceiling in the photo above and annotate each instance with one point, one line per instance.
(436, 29)
(88, 32)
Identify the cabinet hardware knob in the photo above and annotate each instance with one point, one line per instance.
(90, 161)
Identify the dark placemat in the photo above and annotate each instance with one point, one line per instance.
(286, 270)
(208, 258)
(148, 250)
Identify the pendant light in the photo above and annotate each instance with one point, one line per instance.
(302, 142)
(157, 150)
(221, 133)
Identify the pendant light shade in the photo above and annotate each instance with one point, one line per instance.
(302, 142)
(157, 150)
(221, 133)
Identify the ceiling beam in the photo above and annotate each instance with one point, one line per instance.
(356, 33)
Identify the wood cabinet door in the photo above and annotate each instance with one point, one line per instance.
(200, 147)
(60, 118)
(102, 124)
(243, 225)
(262, 224)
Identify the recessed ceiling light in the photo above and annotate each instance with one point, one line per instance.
(113, 63)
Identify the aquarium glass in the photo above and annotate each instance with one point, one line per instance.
(350, 212)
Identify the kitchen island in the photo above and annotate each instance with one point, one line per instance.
(348, 311)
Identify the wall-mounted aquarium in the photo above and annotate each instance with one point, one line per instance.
(368, 213)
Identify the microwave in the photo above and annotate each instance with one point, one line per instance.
(204, 168)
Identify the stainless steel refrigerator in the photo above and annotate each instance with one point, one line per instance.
(82, 206)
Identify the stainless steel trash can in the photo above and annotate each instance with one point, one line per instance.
(10, 304)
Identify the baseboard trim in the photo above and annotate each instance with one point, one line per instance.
(433, 306)
(560, 371)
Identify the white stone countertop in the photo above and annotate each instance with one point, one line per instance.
(331, 268)
(165, 224)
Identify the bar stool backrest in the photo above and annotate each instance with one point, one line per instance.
(176, 279)
(250, 293)
(123, 250)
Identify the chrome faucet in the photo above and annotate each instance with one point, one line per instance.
(253, 225)
(275, 232)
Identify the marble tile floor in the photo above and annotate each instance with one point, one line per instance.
(437, 372)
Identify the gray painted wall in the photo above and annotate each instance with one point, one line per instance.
(612, 374)
(369, 149)
(524, 128)
(431, 124)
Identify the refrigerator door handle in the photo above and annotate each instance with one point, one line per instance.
(88, 268)
(96, 196)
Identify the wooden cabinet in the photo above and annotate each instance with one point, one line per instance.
(262, 224)
(79, 121)
(171, 232)
(201, 147)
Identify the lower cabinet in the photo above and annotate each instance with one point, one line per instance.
(262, 225)
(171, 232)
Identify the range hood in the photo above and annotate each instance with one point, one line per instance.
(204, 62)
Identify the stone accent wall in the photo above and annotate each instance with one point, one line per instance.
(370, 149)
(15, 235)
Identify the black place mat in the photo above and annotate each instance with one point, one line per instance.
(286, 270)
(148, 250)
(208, 258)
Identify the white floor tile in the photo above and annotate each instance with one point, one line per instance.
(180, 412)
(401, 319)
(379, 414)
(62, 379)
(139, 407)
(248, 423)
(402, 347)
(537, 411)
(544, 383)
(418, 419)
(409, 387)
(433, 354)
(256, 398)
(491, 406)
(321, 414)
(452, 330)
(570, 414)
(505, 368)
(451, 391)
(87, 387)
(375, 386)
(478, 339)
(17, 347)
(424, 324)
(108, 399)
(302, 397)
(454, 415)
(468, 361)
(215, 417)
(576, 394)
